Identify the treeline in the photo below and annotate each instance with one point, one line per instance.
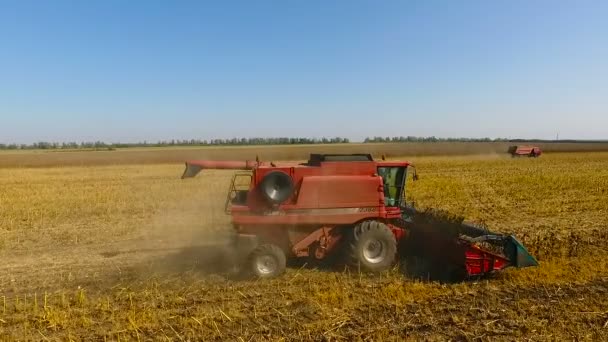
(100, 145)
(43, 145)
(428, 139)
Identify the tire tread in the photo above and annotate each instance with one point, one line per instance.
(267, 249)
(358, 231)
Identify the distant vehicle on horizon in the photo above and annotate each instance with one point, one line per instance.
(520, 150)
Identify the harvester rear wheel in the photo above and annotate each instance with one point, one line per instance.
(267, 261)
(371, 247)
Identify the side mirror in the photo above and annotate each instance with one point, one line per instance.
(415, 174)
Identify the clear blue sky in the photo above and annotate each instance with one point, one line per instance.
(135, 70)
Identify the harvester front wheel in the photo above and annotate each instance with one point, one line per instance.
(267, 261)
(372, 247)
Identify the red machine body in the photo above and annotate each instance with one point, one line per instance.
(329, 193)
(530, 151)
(316, 208)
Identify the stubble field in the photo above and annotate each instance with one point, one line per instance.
(132, 252)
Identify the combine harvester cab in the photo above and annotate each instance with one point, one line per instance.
(351, 207)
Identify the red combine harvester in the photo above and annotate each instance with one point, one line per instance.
(530, 151)
(350, 206)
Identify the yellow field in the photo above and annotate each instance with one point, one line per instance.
(129, 252)
(163, 155)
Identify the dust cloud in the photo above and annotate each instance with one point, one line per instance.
(190, 236)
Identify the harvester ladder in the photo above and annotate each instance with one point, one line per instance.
(236, 187)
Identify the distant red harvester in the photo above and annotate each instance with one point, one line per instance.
(347, 205)
(530, 151)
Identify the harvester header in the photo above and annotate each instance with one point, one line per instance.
(353, 207)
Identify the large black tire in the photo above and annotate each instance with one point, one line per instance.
(266, 261)
(371, 247)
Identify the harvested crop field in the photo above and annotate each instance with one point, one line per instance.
(164, 155)
(132, 252)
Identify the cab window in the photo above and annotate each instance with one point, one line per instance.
(392, 178)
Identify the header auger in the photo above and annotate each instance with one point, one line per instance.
(352, 207)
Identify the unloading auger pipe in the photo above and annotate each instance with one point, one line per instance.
(193, 167)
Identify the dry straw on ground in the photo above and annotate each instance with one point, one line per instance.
(131, 252)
